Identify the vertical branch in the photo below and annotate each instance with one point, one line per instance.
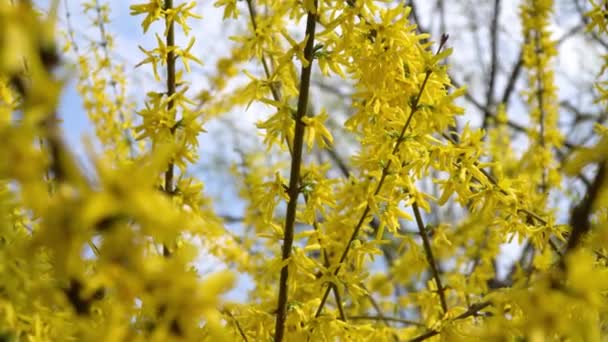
(276, 94)
(62, 166)
(294, 177)
(170, 42)
(493, 61)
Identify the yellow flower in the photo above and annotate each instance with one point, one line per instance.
(153, 10)
(316, 131)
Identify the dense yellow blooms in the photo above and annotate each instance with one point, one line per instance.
(110, 254)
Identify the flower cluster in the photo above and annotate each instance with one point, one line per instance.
(398, 242)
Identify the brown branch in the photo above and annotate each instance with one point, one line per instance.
(415, 16)
(294, 177)
(429, 257)
(277, 97)
(339, 161)
(381, 315)
(338, 299)
(494, 60)
(472, 311)
(170, 43)
(487, 112)
(373, 301)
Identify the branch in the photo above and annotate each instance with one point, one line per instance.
(429, 257)
(580, 218)
(170, 42)
(380, 315)
(294, 177)
(472, 311)
(386, 319)
(238, 326)
(506, 95)
(277, 97)
(231, 219)
(494, 60)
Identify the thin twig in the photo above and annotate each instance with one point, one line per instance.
(513, 76)
(472, 311)
(387, 319)
(494, 60)
(381, 315)
(238, 326)
(429, 257)
(338, 298)
(373, 301)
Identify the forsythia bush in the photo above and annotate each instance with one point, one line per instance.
(108, 253)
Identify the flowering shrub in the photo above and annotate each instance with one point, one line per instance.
(109, 254)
